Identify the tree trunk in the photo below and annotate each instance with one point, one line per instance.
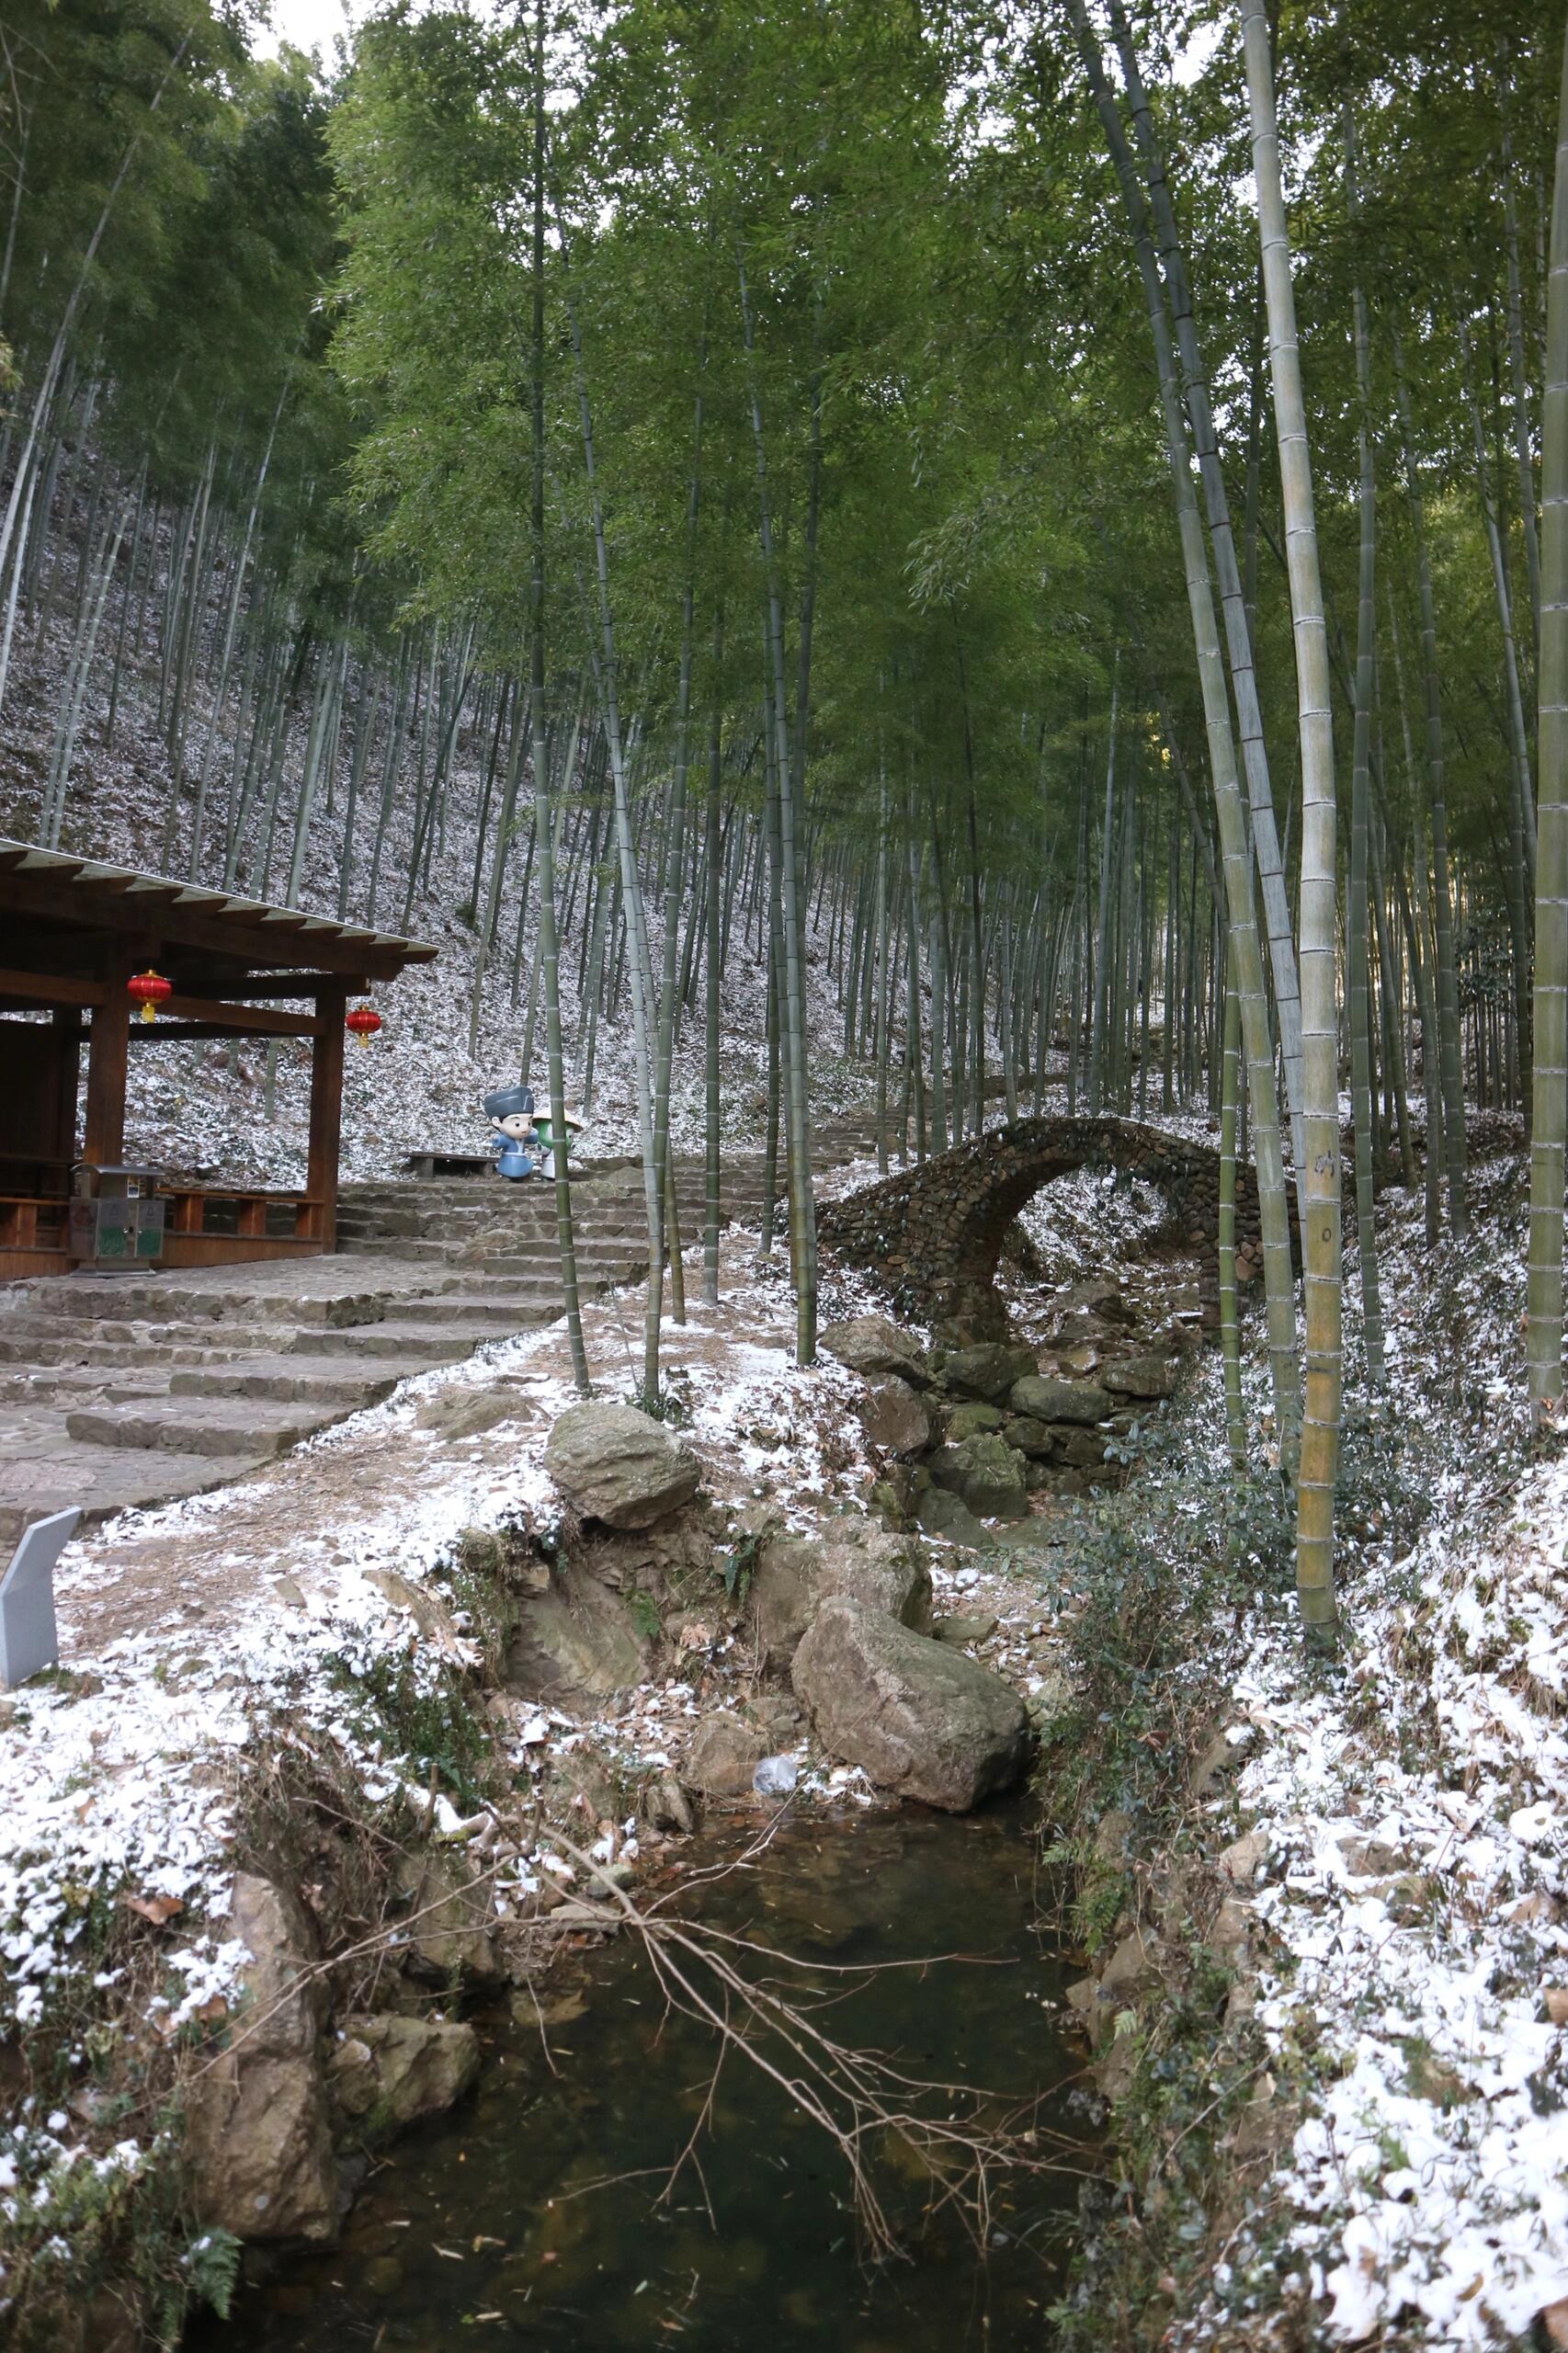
(1550, 1067)
(1321, 1214)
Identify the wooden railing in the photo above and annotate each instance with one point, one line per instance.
(205, 1225)
(32, 1236)
(221, 1224)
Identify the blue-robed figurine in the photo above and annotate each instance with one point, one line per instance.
(511, 1114)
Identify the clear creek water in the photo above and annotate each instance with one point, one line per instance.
(484, 2229)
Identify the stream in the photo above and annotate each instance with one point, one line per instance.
(537, 2212)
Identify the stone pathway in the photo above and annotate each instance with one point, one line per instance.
(124, 1390)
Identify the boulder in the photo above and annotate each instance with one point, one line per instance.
(256, 2128)
(431, 1617)
(776, 1716)
(1084, 1450)
(947, 1468)
(894, 1417)
(619, 1465)
(644, 1559)
(960, 1632)
(1140, 1377)
(974, 1418)
(994, 1479)
(1230, 1747)
(986, 1473)
(1132, 1967)
(468, 1412)
(795, 1574)
(575, 1646)
(919, 1718)
(1092, 2008)
(503, 1556)
(387, 2072)
(988, 1369)
(942, 1513)
(872, 1346)
(1027, 1435)
(724, 1753)
(666, 1806)
(1101, 1295)
(451, 1917)
(1042, 1400)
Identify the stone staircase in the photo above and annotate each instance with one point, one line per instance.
(124, 1390)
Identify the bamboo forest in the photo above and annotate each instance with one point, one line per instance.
(783, 1131)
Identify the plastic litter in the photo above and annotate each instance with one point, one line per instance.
(776, 1777)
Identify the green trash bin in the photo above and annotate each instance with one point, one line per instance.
(116, 1217)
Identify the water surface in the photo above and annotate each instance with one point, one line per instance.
(533, 2214)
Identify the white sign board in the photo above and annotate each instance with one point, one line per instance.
(28, 1639)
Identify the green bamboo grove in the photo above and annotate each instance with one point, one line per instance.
(1031, 549)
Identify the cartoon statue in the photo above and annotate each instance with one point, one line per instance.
(546, 1132)
(510, 1110)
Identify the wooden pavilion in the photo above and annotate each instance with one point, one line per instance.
(76, 934)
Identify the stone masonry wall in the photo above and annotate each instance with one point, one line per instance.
(932, 1235)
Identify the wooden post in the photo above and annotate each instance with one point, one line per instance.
(326, 1116)
(68, 1045)
(107, 1050)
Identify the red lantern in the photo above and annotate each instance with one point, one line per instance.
(147, 990)
(364, 1021)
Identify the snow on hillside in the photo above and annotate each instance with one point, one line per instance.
(204, 1106)
(1405, 1873)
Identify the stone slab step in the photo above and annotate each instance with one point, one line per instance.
(397, 1246)
(618, 1249)
(96, 1350)
(300, 1380)
(432, 1344)
(497, 1278)
(66, 1385)
(226, 1427)
(102, 1479)
(477, 1311)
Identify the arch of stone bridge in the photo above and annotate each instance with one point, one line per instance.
(931, 1237)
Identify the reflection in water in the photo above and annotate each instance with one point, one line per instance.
(534, 2216)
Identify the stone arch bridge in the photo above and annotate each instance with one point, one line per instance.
(932, 1235)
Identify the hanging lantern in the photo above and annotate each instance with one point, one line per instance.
(147, 990)
(364, 1021)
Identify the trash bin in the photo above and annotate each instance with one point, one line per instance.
(116, 1217)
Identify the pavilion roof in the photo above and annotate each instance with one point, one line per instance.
(67, 915)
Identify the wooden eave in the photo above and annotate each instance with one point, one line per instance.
(70, 916)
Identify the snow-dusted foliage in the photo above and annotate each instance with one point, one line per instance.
(1413, 1890)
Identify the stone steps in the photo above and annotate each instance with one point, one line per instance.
(508, 1274)
(133, 1390)
(199, 1426)
(154, 1350)
(100, 1481)
(372, 1246)
(100, 1383)
(481, 1310)
(433, 1345)
(301, 1379)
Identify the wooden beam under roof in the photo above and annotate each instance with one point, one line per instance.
(54, 889)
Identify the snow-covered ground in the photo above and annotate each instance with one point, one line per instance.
(1408, 1838)
(264, 1602)
(1406, 1865)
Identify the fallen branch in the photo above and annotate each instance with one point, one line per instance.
(854, 2097)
